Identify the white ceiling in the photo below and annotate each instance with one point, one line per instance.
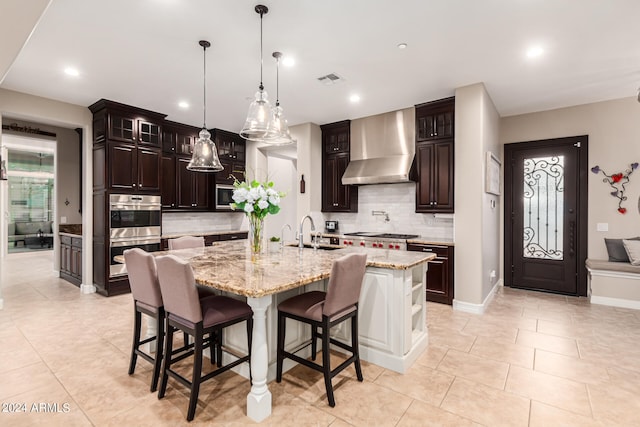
(146, 53)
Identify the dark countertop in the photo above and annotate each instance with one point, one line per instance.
(202, 233)
(75, 229)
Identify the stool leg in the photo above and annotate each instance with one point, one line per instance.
(166, 360)
(314, 342)
(355, 349)
(159, 347)
(137, 320)
(197, 372)
(219, 349)
(280, 345)
(326, 362)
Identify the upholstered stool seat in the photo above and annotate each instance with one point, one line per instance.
(323, 310)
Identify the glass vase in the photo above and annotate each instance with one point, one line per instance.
(256, 231)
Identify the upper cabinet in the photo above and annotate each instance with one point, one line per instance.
(435, 156)
(434, 120)
(232, 151)
(127, 148)
(335, 159)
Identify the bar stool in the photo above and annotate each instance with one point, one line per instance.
(197, 317)
(186, 242)
(147, 299)
(325, 310)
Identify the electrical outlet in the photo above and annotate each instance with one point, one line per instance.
(63, 220)
(602, 226)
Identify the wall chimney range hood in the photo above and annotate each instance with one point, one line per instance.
(382, 148)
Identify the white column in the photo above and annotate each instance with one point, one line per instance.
(259, 399)
(87, 286)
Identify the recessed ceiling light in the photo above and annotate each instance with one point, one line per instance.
(535, 51)
(288, 61)
(183, 104)
(402, 46)
(354, 98)
(70, 71)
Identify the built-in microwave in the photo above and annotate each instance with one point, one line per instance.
(224, 197)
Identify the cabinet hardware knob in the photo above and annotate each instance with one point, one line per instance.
(134, 185)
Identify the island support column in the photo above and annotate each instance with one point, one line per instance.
(259, 399)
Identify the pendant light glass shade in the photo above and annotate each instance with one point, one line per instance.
(205, 155)
(259, 125)
(279, 122)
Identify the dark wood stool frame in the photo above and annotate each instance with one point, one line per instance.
(325, 326)
(199, 344)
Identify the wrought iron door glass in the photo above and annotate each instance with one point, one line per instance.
(543, 207)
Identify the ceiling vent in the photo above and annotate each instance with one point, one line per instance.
(330, 79)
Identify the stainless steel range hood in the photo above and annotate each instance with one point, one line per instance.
(382, 148)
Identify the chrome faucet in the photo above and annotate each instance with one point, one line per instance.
(282, 234)
(381, 213)
(313, 228)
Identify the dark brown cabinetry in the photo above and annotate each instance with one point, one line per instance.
(440, 272)
(435, 156)
(71, 259)
(193, 187)
(183, 189)
(335, 159)
(127, 148)
(232, 149)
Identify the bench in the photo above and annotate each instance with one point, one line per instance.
(614, 283)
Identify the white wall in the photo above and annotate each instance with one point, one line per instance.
(476, 232)
(47, 111)
(613, 128)
(283, 174)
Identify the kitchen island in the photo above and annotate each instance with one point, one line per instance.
(392, 310)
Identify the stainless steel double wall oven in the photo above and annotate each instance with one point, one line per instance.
(135, 222)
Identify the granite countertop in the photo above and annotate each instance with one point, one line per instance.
(228, 266)
(72, 230)
(201, 233)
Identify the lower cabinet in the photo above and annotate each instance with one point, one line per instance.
(440, 272)
(71, 259)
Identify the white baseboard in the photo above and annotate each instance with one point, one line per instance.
(615, 302)
(87, 289)
(469, 307)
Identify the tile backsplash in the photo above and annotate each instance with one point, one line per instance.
(202, 222)
(399, 202)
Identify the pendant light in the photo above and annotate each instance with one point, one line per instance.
(259, 125)
(279, 122)
(205, 156)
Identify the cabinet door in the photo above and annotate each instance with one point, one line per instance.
(435, 120)
(443, 176)
(76, 262)
(121, 128)
(149, 133)
(65, 258)
(168, 186)
(434, 187)
(184, 143)
(438, 280)
(337, 197)
(184, 184)
(148, 170)
(201, 193)
(122, 170)
(424, 185)
(169, 141)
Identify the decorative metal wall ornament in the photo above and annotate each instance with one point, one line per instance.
(617, 181)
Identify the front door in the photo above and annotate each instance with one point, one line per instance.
(545, 215)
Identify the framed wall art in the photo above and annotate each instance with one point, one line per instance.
(492, 174)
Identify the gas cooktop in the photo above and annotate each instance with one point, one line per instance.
(382, 235)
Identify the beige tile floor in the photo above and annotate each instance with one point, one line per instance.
(531, 360)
